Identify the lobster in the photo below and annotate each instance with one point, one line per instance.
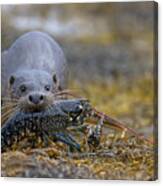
(53, 123)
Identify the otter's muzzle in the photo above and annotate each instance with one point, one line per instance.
(36, 98)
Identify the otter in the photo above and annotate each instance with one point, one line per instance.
(33, 69)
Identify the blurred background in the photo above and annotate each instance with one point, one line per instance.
(109, 49)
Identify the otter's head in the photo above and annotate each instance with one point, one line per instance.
(34, 89)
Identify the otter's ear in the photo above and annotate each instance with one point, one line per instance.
(55, 78)
(11, 80)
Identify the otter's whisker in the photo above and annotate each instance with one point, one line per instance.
(4, 109)
(9, 105)
(4, 119)
(7, 112)
(65, 90)
(69, 90)
(66, 94)
(4, 102)
(6, 115)
(60, 97)
(7, 108)
(8, 98)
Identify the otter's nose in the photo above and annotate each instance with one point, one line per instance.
(36, 98)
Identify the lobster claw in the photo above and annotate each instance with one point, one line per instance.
(94, 134)
(67, 139)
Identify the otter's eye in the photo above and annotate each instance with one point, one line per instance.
(47, 87)
(23, 88)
